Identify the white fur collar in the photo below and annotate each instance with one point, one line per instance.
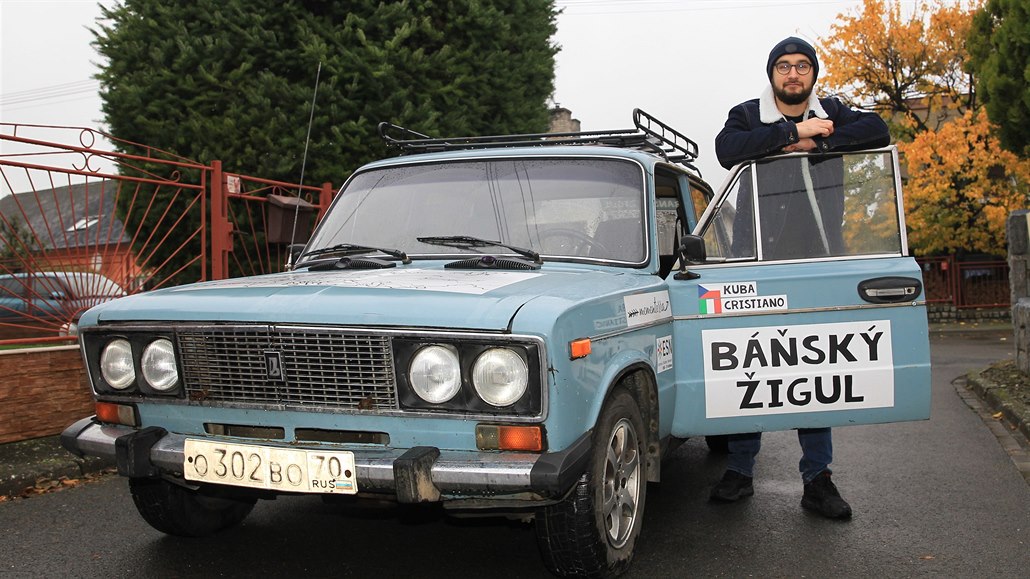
(770, 114)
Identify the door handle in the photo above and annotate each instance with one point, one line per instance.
(889, 290)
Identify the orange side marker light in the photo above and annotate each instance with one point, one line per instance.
(579, 348)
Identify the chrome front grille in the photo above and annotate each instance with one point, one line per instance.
(322, 368)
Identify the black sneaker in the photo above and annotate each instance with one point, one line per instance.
(733, 486)
(822, 496)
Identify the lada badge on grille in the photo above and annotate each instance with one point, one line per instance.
(274, 369)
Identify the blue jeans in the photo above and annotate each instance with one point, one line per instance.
(816, 452)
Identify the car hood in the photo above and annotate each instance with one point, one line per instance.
(397, 297)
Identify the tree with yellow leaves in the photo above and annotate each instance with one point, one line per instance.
(906, 67)
(907, 64)
(962, 185)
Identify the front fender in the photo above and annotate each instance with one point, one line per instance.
(621, 365)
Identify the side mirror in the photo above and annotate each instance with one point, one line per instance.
(58, 295)
(692, 250)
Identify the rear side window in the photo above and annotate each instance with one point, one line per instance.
(12, 288)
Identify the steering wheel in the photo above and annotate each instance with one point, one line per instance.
(579, 244)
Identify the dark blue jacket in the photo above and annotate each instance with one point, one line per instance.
(745, 137)
(789, 228)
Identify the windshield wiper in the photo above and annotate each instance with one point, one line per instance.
(468, 242)
(351, 248)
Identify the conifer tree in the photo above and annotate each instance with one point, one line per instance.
(233, 80)
(999, 50)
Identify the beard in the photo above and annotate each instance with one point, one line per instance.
(793, 98)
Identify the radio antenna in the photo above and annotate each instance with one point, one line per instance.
(303, 163)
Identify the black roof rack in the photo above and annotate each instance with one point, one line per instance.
(649, 134)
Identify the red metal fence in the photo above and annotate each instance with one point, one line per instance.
(82, 223)
(965, 284)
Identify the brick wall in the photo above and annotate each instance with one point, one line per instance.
(42, 390)
(562, 121)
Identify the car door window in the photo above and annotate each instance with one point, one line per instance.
(729, 234)
(809, 207)
(46, 288)
(12, 288)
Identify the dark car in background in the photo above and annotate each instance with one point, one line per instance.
(52, 299)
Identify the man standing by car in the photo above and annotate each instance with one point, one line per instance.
(799, 221)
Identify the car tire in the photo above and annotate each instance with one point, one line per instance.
(178, 511)
(592, 532)
(718, 444)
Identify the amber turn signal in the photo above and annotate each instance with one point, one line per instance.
(510, 437)
(116, 413)
(579, 348)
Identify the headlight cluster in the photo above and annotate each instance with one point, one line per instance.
(435, 374)
(500, 376)
(469, 377)
(116, 365)
(136, 365)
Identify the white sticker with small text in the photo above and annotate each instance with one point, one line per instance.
(663, 354)
(647, 308)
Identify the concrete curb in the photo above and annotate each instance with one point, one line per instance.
(997, 399)
(973, 329)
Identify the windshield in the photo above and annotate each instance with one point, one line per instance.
(561, 208)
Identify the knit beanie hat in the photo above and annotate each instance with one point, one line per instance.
(792, 45)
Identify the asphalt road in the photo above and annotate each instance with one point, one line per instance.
(935, 498)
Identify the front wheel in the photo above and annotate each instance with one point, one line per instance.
(592, 532)
(178, 511)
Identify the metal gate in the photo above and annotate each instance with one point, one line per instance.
(966, 284)
(82, 223)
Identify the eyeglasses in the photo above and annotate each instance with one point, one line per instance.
(803, 68)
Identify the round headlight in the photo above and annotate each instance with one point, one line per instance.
(116, 364)
(500, 376)
(434, 374)
(158, 365)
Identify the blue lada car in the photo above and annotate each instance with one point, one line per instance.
(525, 323)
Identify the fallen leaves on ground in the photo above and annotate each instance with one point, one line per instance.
(47, 485)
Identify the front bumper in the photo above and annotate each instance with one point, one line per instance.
(403, 472)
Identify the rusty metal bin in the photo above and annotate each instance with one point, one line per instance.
(281, 211)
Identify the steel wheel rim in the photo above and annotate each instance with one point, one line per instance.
(621, 486)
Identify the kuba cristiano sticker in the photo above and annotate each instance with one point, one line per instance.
(736, 297)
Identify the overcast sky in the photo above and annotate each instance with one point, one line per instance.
(684, 61)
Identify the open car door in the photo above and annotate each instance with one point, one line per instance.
(807, 310)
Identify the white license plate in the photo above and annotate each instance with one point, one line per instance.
(270, 467)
